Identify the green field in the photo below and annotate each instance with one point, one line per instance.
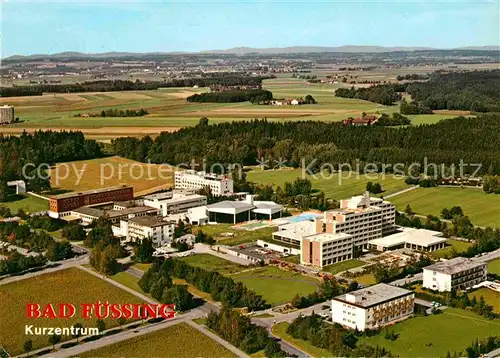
(28, 203)
(494, 266)
(71, 286)
(482, 209)
(185, 341)
(343, 266)
(491, 297)
(237, 237)
(276, 286)
(336, 186)
(129, 281)
(451, 244)
(279, 330)
(435, 335)
(212, 263)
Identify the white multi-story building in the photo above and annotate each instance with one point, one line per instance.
(140, 228)
(458, 273)
(193, 180)
(174, 202)
(6, 114)
(372, 307)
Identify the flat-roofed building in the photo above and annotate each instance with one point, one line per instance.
(239, 211)
(62, 205)
(89, 214)
(410, 238)
(325, 249)
(174, 202)
(294, 232)
(161, 232)
(372, 307)
(459, 273)
(192, 180)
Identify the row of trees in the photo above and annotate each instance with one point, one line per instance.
(16, 262)
(124, 85)
(222, 288)
(328, 289)
(383, 94)
(254, 95)
(396, 119)
(116, 113)
(241, 332)
(313, 144)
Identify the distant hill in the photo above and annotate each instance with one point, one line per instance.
(249, 50)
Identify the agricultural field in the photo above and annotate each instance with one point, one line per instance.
(343, 266)
(156, 344)
(212, 263)
(435, 335)
(336, 186)
(28, 203)
(225, 235)
(481, 208)
(490, 296)
(451, 244)
(72, 285)
(494, 266)
(111, 171)
(275, 285)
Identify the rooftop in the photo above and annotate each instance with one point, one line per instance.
(327, 237)
(228, 205)
(373, 295)
(421, 237)
(455, 265)
(149, 221)
(88, 192)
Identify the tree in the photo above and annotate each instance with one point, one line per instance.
(203, 121)
(28, 346)
(144, 251)
(369, 186)
(376, 188)
(309, 99)
(408, 210)
(73, 232)
(100, 325)
(54, 339)
(179, 296)
(77, 333)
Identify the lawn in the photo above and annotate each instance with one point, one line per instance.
(276, 286)
(186, 341)
(28, 203)
(482, 209)
(236, 237)
(490, 296)
(435, 335)
(494, 266)
(343, 266)
(451, 244)
(111, 171)
(293, 259)
(129, 281)
(212, 263)
(72, 286)
(336, 186)
(279, 330)
(366, 280)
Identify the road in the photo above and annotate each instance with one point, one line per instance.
(401, 192)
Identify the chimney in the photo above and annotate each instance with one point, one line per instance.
(249, 199)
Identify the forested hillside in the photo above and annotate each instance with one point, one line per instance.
(475, 140)
(41, 147)
(477, 91)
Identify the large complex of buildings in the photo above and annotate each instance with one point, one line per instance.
(7, 114)
(458, 273)
(372, 307)
(334, 237)
(193, 180)
(174, 202)
(62, 205)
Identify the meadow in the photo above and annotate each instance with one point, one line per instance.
(336, 186)
(494, 266)
(225, 235)
(343, 266)
(481, 208)
(490, 296)
(457, 245)
(275, 285)
(156, 344)
(435, 335)
(169, 110)
(212, 263)
(111, 171)
(28, 203)
(71, 285)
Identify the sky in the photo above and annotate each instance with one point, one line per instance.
(31, 27)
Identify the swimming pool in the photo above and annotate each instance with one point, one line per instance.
(303, 217)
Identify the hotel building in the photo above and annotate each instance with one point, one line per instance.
(458, 273)
(372, 307)
(174, 202)
(193, 180)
